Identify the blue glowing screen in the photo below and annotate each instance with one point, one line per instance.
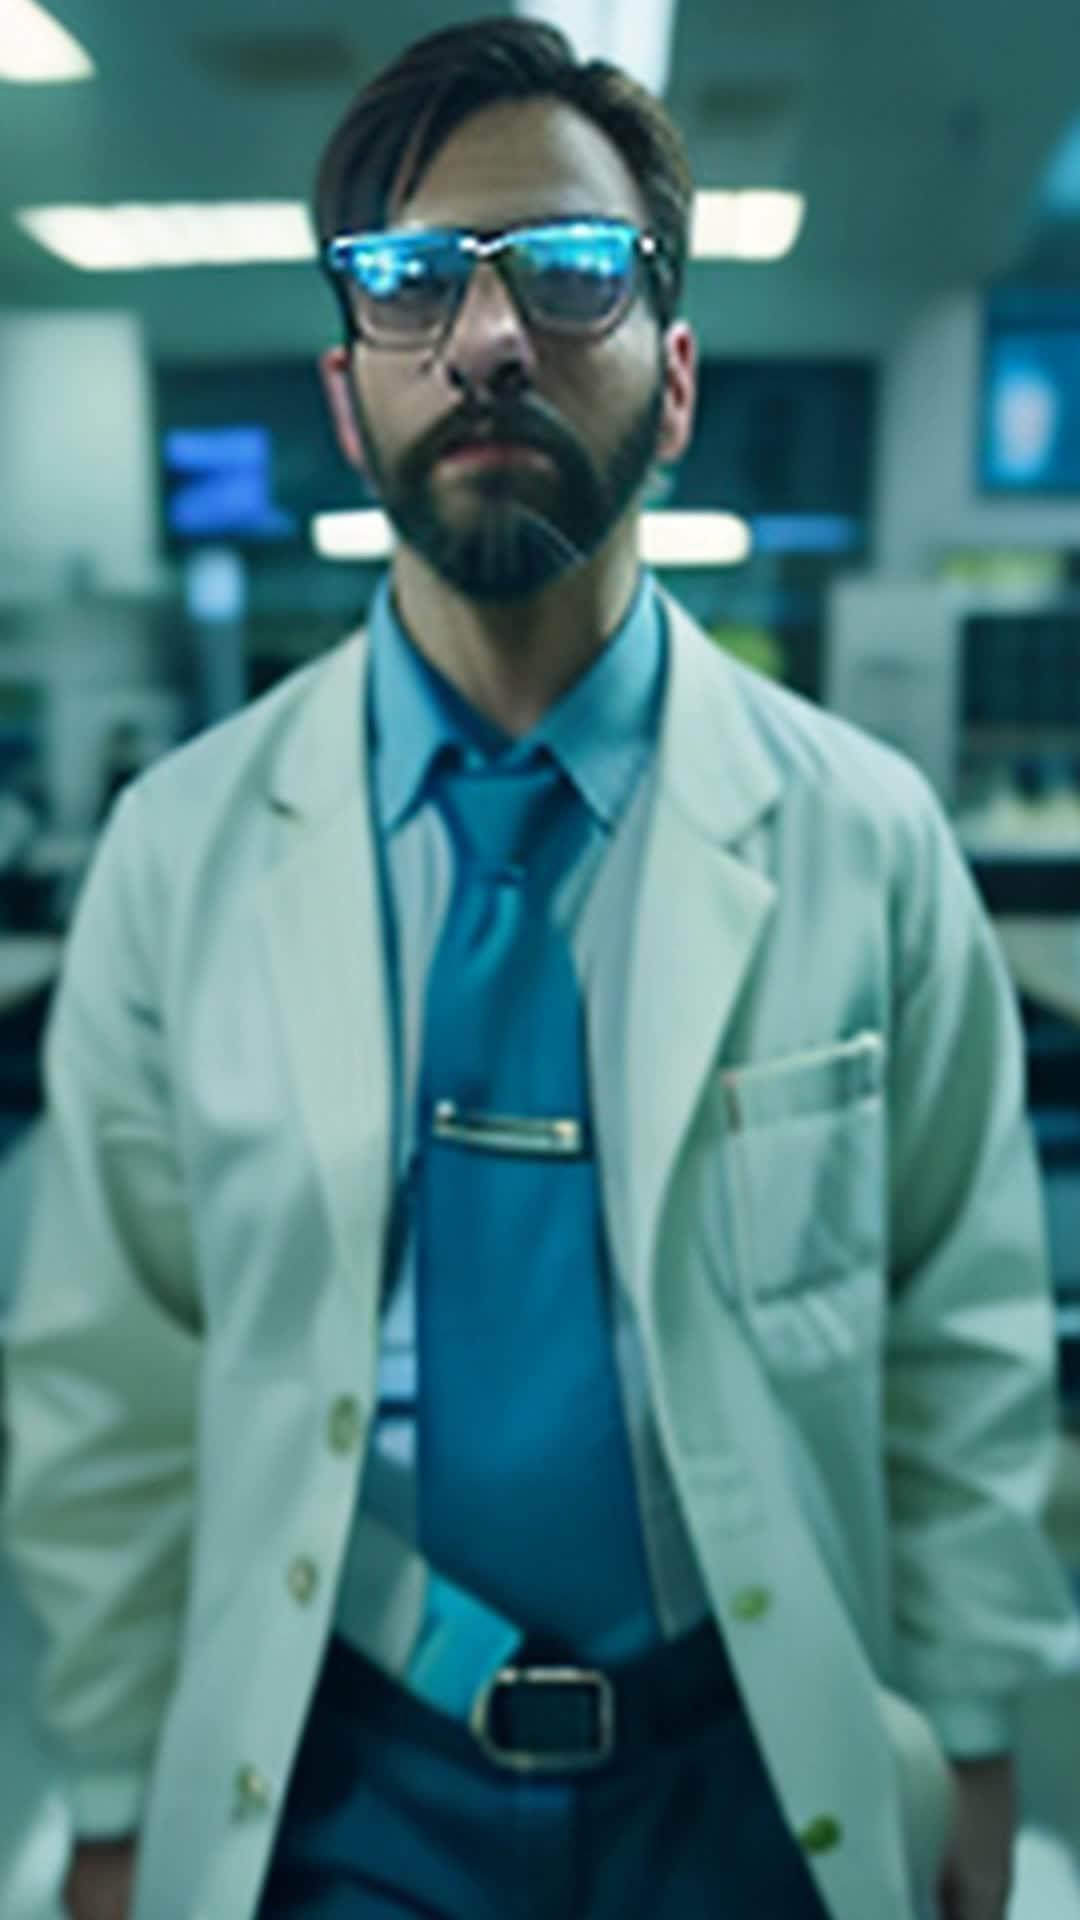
(1030, 397)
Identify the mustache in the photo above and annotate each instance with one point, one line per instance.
(472, 426)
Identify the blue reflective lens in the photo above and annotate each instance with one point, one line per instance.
(387, 265)
(586, 249)
(575, 273)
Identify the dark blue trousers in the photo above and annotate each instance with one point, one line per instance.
(393, 1811)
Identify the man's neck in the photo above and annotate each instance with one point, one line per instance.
(512, 660)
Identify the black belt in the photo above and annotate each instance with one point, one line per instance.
(546, 1713)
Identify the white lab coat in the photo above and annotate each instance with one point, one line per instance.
(821, 1198)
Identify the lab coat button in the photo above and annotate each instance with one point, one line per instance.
(345, 1425)
(752, 1603)
(303, 1580)
(822, 1834)
(252, 1794)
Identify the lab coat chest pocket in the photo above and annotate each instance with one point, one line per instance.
(799, 1202)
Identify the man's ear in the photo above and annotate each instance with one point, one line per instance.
(680, 392)
(335, 372)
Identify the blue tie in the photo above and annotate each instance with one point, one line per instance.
(526, 1489)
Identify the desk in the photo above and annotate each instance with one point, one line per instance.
(1043, 957)
(28, 962)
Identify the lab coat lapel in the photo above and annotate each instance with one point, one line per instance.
(663, 999)
(322, 916)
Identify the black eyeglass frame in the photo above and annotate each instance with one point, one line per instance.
(648, 255)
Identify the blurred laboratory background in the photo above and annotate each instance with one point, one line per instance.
(881, 506)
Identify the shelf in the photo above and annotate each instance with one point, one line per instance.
(978, 740)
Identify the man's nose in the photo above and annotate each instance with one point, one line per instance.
(489, 339)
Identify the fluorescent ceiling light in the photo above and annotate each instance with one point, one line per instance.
(667, 539)
(634, 34)
(748, 225)
(35, 48)
(366, 535)
(694, 540)
(135, 237)
(130, 238)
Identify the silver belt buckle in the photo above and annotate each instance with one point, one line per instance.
(519, 1760)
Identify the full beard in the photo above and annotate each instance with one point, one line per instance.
(518, 533)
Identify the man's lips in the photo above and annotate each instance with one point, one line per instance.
(494, 453)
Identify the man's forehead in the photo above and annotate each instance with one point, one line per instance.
(520, 162)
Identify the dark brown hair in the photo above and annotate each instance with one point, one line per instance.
(397, 124)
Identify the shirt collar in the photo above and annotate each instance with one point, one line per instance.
(599, 731)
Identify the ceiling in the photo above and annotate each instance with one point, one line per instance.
(920, 133)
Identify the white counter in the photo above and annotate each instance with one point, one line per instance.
(1042, 954)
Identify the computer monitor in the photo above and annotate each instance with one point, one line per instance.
(1029, 395)
(246, 455)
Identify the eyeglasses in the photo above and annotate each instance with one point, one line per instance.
(577, 277)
